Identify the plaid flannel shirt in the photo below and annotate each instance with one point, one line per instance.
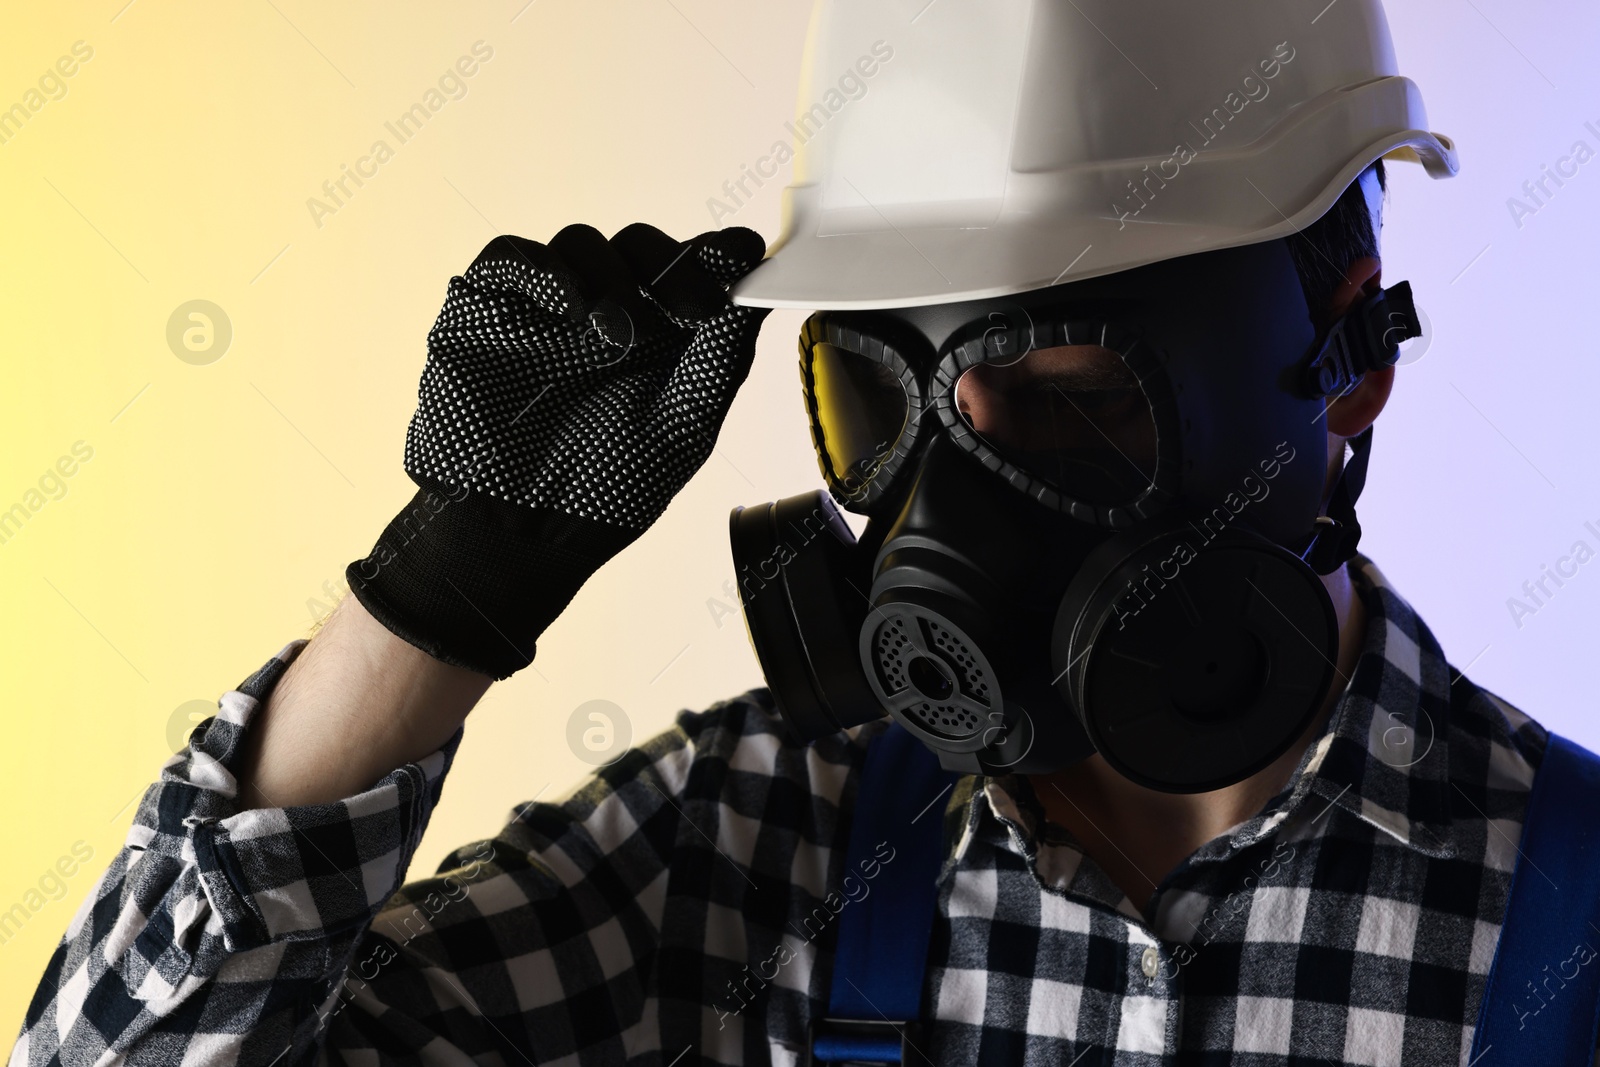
(676, 908)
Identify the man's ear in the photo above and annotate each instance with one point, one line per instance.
(1350, 414)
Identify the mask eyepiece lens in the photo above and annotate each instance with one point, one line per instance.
(1074, 416)
(860, 410)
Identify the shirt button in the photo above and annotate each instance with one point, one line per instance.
(1151, 963)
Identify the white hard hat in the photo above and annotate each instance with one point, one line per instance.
(957, 149)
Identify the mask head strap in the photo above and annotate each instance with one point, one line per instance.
(1366, 338)
(1336, 535)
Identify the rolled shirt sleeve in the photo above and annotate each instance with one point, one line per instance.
(216, 935)
(588, 930)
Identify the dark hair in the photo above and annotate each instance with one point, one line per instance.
(1326, 248)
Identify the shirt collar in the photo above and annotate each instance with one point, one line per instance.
(1383, 757)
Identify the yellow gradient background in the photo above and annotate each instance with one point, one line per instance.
(217, 504)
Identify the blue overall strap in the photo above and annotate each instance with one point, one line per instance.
(895, 852)
(1541, 1004)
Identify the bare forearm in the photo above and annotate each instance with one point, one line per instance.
(355, 704)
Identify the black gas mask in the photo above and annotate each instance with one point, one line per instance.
(1095, 521)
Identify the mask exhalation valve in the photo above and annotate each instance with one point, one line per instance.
(927, 669)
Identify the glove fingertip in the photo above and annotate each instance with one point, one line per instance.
(729, 254)
(509, 263)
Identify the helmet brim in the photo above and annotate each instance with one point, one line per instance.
(1050, 227)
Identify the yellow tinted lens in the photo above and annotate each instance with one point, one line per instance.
(862, 410)
(1073, 416)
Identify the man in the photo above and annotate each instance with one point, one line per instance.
(1220, 797)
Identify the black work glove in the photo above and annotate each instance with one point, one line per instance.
(571, 389)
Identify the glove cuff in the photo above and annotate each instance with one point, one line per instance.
(472, 580)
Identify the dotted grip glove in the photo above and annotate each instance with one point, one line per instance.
(570, 391)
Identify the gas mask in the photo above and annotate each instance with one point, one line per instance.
(1095, 521)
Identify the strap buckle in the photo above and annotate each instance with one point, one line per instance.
(1332, 543)
(1367, 338)
(860, 1041)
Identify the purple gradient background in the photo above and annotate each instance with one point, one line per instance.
(1483, 469)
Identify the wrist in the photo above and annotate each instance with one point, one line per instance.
(472, 580)
(356, 703)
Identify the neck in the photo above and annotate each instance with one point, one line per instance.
(1137, 834)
